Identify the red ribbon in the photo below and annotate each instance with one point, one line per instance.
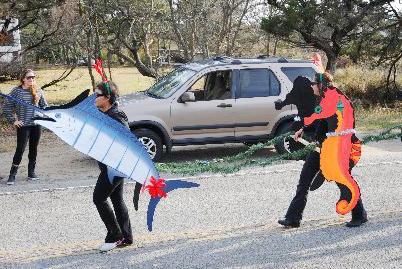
(155, 188)
(98, 68)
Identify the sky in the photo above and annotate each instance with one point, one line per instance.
(397, 4)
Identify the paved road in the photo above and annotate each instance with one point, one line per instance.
(228, 221)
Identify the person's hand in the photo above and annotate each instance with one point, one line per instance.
(298, 134)
(18, 123)
(278, 104)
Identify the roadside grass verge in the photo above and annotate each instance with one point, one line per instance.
(376, 119)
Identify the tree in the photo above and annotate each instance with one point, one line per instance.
(43, 25)
(326, 25)
(391, 44)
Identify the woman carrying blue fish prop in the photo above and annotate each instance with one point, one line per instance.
(118, 223)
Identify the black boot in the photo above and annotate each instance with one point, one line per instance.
(359, 215)
(13, 172)
(289, 224)
(31, 171)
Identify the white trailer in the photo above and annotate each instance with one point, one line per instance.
(10, 48)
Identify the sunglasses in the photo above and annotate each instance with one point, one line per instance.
(30, 77)
(100, 94)
(314, 83)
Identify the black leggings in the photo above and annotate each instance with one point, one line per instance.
(117, 226)
(310, 168)
(23, 134)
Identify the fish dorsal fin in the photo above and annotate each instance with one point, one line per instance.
(75, 102)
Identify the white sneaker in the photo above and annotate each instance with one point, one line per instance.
(107, 246)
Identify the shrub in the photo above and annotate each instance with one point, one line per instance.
(368, 87)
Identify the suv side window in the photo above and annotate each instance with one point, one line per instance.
(213, 86)
(293, 72)
(258, 83)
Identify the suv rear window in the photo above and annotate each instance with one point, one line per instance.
(258, 83)
(293, 72)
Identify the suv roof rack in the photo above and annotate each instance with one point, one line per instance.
(222, 58)
(282, 60)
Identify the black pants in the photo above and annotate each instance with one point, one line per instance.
(310, 168)
(117, 226)
(23, 134)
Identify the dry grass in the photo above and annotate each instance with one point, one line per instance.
(367, 85)
(376, 119)
(128, 79)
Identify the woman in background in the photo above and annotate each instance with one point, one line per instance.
(28, 92)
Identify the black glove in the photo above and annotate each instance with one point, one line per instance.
(136, 196)
(278, 104)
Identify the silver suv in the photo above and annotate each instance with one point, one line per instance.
(216, 101)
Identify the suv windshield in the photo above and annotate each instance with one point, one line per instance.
(170, 83)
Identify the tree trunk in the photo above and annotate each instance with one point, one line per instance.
(331, 64)
(275, 46)
(267, 45)
(37, 58)
(237, 29)
(109, 63)
(181, 42)
(89, 49)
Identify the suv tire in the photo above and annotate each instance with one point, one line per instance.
(286, 145)
(151, 141)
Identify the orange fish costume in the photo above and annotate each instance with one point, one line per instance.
(332, 122)
(340, 146)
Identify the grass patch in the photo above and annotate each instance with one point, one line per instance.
(377, 118)
(128, 79)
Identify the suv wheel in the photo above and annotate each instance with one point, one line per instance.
(151, 141)
(287, 145)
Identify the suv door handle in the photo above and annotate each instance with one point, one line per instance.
(224, 105)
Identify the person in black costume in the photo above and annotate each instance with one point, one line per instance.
(118, 225)
(305, 97)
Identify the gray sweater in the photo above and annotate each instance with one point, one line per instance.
(24, 113)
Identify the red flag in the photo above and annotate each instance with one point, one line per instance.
(98, 68)
(318, 62)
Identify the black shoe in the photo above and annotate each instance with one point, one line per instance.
(11, 180)
(124, 243)
(289, 223)
(13, 172)
(356, 222)
(31, 172)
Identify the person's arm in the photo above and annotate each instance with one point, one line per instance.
(327, 106)
(9, 106)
